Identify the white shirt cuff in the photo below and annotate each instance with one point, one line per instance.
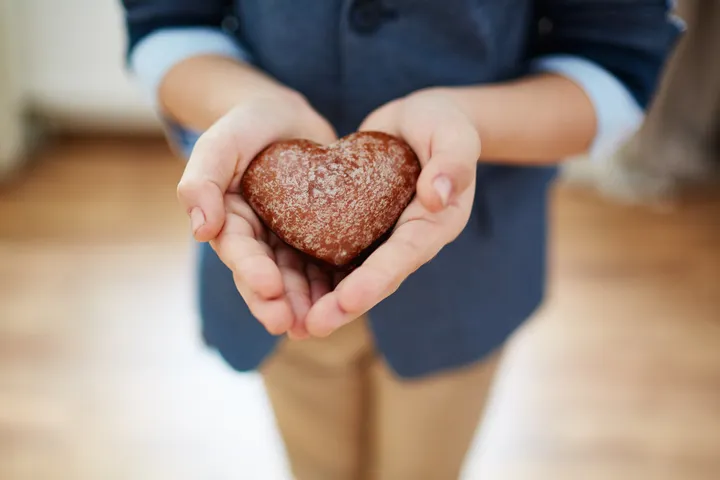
(618, 114)
(675, 19)
(154, 56)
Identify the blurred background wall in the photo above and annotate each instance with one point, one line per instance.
(67, 64)
(11, 91)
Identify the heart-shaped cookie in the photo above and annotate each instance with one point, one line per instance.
(332, 202)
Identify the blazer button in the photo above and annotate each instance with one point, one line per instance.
(367, 16)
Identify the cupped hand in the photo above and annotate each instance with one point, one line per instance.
(275, 282)
(448, 147)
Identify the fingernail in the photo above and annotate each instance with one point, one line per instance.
(443, 187)
(197, 219)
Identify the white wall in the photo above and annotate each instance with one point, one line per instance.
(74, 64)
(12, 128)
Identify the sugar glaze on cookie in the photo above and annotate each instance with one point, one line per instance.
(332, 202)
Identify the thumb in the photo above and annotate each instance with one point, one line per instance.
(204, 204)
(224, 151)
(219, 159)
(208, 175)
(451, 168)
(384, 119)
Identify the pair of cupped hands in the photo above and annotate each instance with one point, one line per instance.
(284, 292)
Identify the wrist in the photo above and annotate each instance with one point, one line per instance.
(535, 120)
(200, 90)
(453, 102)
(490, 111)
(289, 112)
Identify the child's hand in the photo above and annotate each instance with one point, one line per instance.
(448, 147)
(273, 280)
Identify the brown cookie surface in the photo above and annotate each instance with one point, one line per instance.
(332, 202)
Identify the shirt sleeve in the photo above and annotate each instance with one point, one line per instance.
(162, 33)
(154, 55)
(615, 50)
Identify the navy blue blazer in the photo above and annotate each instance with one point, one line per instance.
(349, 57)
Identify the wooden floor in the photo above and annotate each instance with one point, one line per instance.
(102, 376)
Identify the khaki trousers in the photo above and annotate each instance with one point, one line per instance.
(344, 416)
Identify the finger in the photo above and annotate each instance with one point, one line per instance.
(384, 119)
(252, 260)
(411, 245)
(297, 288)
(236, 205)
(298, 331)
(445, 141)
(451, 168)
(257, 276)
(224, 151)
(319, 282)
(275, 314)
(326, 316)
(213, 163)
